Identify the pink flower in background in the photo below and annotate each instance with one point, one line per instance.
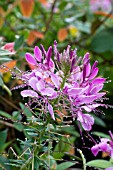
(9, 47)
(105, 145)
(104, 5)
(110, 168)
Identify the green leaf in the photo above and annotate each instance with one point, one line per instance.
(5, 59)
(99, 163)
(3, 162)
(3, 136)
(102, 41)
(65, 165)
(100, 134)
(19, 42)
(19, 126)
(4, 52)
(25, 110)
(2, 113)
(99, 121)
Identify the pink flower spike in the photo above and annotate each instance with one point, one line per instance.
(29, 93)
(30, 59)
(50, 108)
(37, 54)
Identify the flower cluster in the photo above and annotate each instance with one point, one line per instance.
(104, 5)
(64, 80)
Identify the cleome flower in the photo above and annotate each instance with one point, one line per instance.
(105, 145)
(64, 80)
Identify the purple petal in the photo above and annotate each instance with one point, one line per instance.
(94, 65)
(74, 91)
(93, 74)
(84, 72)
(55, 80)
(54, 96)
(87, 99)
(73, 64)
(49, 54)
(51, 65)
(47, 91)
(103, 146)
(96, 89)
(86, 126)
(99, 95)
(43, 50)
(88, 69)
(95, 150)
(40, 85)
(80, 116)
(87, 109)
(86, 58)
(30, 59)
(89, 118)
(38, 53)
(86, 120)
(98, 81)
(38, 74)
(32, 82)
(50, 108)
(29, 93)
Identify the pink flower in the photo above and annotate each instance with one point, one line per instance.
(9, 47)
(68, 78)
(110, 168)
(105, 145)
(104, 5)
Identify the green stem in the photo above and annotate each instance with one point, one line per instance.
(33, 162)
(63, 82)
(83, 159)
(7, 89)
(49, 146)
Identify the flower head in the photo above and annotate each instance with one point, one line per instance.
(64, 79)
